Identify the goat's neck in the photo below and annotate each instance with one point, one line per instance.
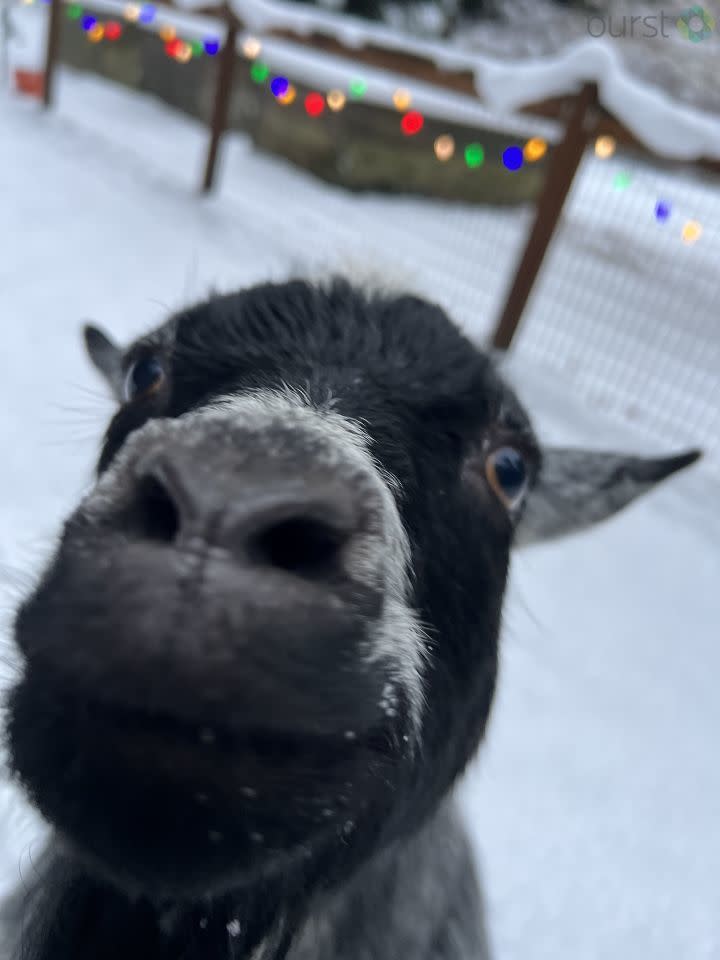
(69, 916)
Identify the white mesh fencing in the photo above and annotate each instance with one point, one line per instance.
(626, 311)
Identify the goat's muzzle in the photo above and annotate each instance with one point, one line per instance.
(199, 656)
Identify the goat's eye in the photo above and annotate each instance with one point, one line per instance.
(507, 475)
(144, 378)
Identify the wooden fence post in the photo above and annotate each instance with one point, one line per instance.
(51, 49)
(223, 89)
(566, 159)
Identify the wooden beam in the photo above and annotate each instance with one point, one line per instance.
(223, 89)
(52, 47)
(565, 161)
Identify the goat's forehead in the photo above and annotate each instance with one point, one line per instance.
(335, 346)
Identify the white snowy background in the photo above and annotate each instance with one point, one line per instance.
(595, 801)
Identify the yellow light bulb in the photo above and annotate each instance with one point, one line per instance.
(444, 147)
(605, 147)
(96, 33)
(251, 47)
(167, 32)
(402, 99)
(535, 149)
(288, 97)
(691, 232)
(336, 100)
(183, 52)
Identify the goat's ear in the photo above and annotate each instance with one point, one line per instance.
(578, 488)
(106, 357)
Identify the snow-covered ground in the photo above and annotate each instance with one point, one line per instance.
(596, 799)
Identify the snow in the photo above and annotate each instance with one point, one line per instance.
(644, 109)
(651, 48)
(594, 801)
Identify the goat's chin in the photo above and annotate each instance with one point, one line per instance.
(171, 874)
(172, 811)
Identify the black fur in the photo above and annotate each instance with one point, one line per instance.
(344, 847)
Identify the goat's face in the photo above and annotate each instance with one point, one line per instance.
(270, 629)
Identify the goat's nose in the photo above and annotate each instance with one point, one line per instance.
(296, 522)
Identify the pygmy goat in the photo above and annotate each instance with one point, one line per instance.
(266, 646)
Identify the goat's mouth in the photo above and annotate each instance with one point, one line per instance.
(213, 753)
(160, 804)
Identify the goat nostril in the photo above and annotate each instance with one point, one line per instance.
(302, 545)
(154, 511)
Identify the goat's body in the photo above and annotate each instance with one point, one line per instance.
(419, 899)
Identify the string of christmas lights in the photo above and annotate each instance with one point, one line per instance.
(412, 121)
(663, 212)
(514, 157)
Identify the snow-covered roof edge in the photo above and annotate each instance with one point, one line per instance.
(667, 127)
